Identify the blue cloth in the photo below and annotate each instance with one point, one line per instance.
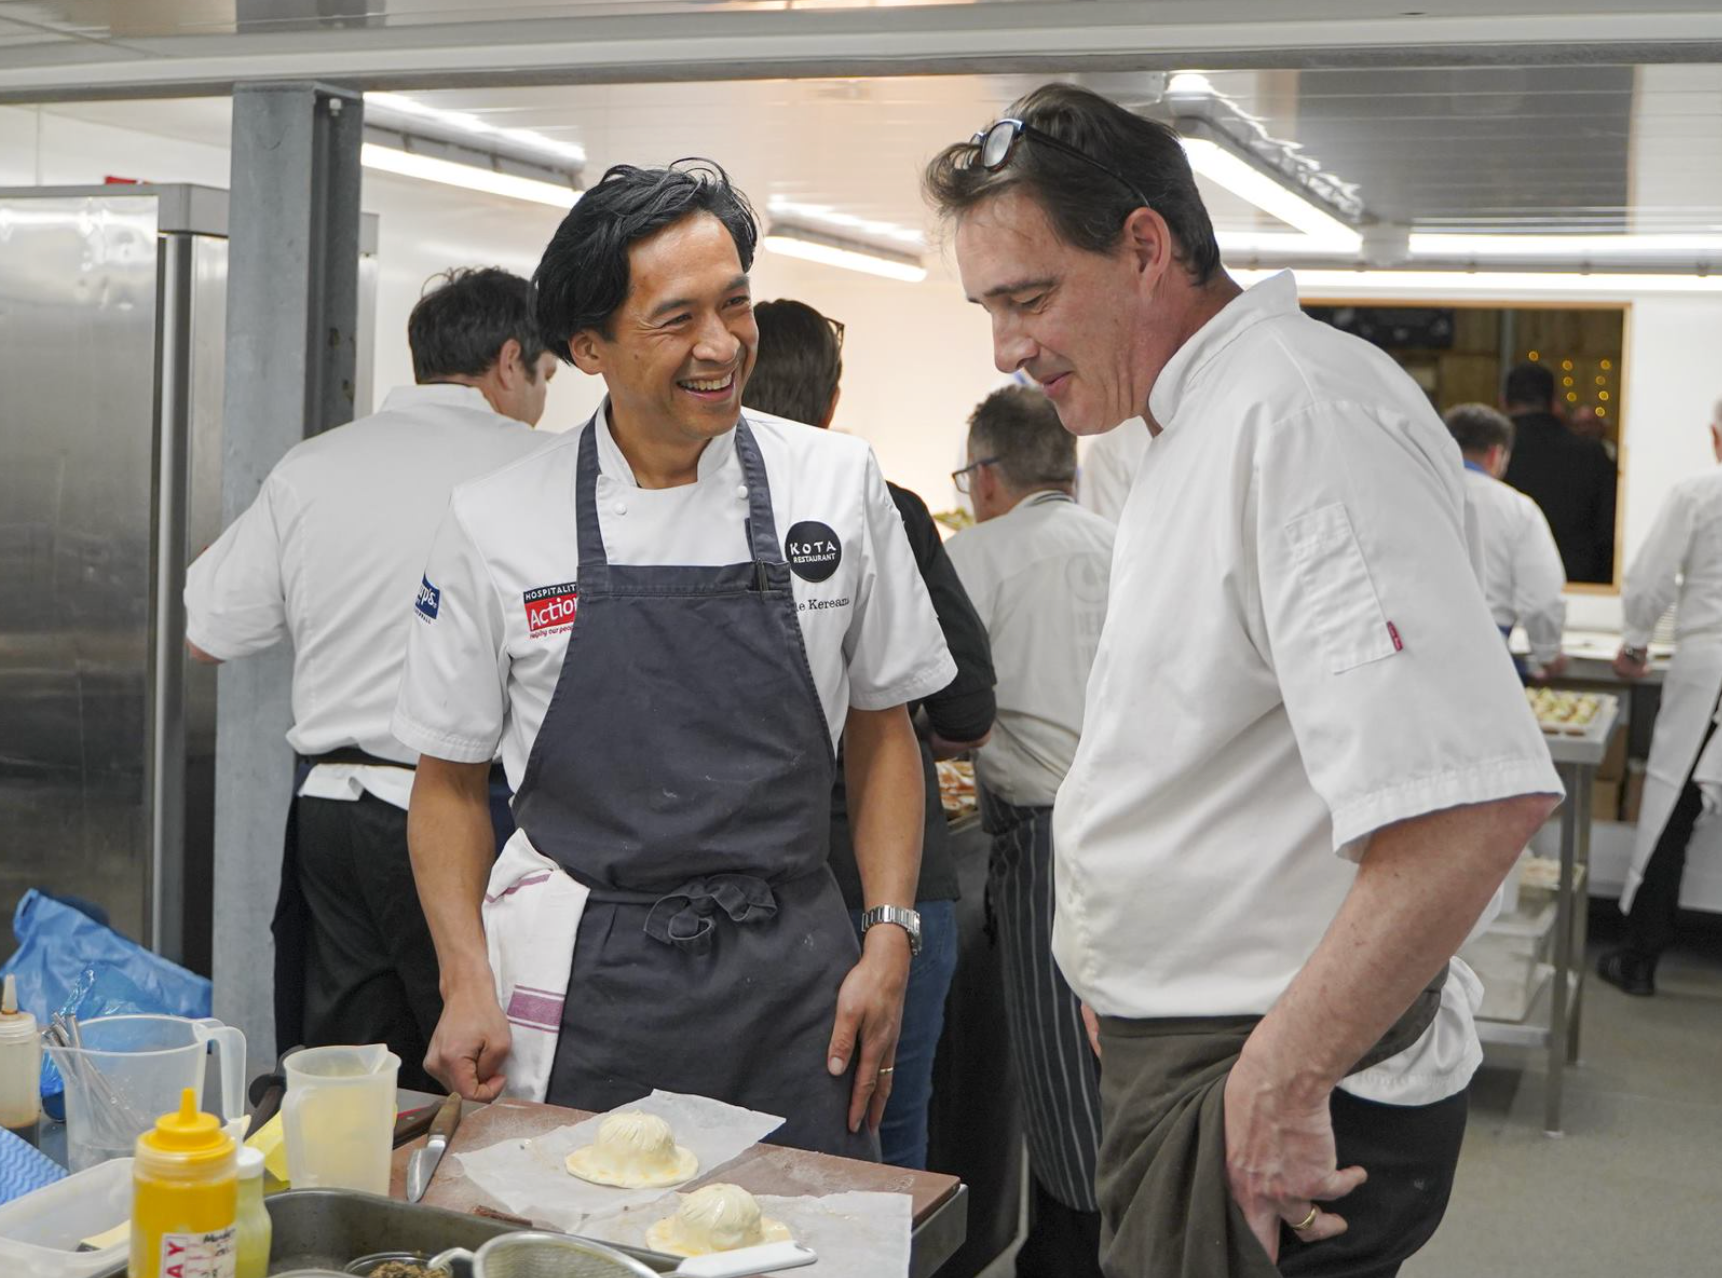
(903, 1133)
(1471, 465)
(24, 1168)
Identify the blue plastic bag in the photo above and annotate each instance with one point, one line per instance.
(58, 943)
(108, 992)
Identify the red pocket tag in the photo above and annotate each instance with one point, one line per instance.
(1393, 633)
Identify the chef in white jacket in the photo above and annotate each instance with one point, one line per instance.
(1520, 565)
(1682, 558)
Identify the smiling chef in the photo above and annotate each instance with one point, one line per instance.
(669, 619)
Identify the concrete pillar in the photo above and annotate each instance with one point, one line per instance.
(292, 310)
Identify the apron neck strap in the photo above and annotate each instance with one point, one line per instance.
(761, 523)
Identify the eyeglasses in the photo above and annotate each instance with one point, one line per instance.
(995, 144)
(836, 330)
(962, 478)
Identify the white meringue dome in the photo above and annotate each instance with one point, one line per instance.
(714, 1218)
(634, 1150)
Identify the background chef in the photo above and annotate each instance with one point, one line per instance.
(737, 597)
(1681, 558)
(326, 555)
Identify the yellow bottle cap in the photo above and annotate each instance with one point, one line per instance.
(187, 1135)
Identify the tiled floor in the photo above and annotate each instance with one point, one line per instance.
(1634, 1188)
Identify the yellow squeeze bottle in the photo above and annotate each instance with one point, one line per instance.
(185, 1198)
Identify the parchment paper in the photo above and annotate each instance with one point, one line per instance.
(856, 1234)
(530, 1178)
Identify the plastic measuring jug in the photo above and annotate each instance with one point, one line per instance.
(131, 1069)
(339, 1114)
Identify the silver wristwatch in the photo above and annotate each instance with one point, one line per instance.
(908, 920)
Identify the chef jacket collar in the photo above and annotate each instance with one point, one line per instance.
(443, 394)
(1274, 296)
(612, 464)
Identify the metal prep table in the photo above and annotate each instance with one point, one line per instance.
(1553, 1020)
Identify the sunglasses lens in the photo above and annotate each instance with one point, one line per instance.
(995, 146)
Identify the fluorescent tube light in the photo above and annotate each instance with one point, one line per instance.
(430, 169)
(828, 251)
(1322, 232)
(1495, 282)
(466, 122)
(1441, 244)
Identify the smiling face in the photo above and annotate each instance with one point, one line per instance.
(682, 344)
(1081, 324)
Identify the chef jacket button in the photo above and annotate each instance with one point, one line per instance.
(621, 508)
(741, 491)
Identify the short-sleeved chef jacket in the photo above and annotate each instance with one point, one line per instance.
(330, 555)
(484, 658)
(1297, 654)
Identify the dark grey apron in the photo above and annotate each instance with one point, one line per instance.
(683, 773)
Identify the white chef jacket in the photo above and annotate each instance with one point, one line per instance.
(482, 665)
(1109, 466)
(1297, 654)
(1521, 566)
(1682, 555)
(330, 554)
(1037, 575)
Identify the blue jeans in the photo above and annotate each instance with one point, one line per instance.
(903, 1133)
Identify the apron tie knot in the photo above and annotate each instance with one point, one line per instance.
(683, 918)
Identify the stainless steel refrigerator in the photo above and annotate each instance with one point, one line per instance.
(112, 324)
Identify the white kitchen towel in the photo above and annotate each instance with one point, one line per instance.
(532, 910)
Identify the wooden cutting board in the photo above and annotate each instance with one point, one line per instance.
(764, 1169)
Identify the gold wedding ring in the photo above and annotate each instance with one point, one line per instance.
(1308, 1220)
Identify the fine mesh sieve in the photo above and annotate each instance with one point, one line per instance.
(540, 1255)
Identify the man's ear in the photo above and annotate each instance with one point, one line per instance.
(510, 367)
(1148, 240)
(587, 351)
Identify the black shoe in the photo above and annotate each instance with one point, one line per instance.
(1629, 971)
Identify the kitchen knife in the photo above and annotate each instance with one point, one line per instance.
(423, 1164)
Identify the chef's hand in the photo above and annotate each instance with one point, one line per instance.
(869, 1015)
(1631, 663)
(1091, 1023)
(470, 1044)
(1280, 1159)
(1553, 670)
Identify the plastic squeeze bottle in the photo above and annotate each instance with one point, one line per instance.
(20, 1066)
(256, 1230)
(185, 1198)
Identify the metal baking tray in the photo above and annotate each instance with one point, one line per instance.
(326, 1228)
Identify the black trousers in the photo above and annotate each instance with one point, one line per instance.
(1410, 1152)
(1062, 1242)
(1656, 905)
(370, 966)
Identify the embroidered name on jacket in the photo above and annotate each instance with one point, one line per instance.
(550, 610)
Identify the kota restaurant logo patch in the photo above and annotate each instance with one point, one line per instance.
(550, 610)
(813, 550)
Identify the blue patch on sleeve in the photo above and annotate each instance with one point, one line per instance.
(430, 599)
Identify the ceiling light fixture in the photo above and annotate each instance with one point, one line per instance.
(380, 106)
(1502, 283)
(1234, 151)
(825, 215)
(1568, 247)
(850, 255)
(492, 181)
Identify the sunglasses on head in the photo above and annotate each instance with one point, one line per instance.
(995, 144)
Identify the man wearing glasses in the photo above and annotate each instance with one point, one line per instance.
(1305, 764)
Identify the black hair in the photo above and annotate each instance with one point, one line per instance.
(799, 364)
(1478, 428)
(1019, 429)
(583, 276)
(461, 322)
(1087, 206)
(1529, 384)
